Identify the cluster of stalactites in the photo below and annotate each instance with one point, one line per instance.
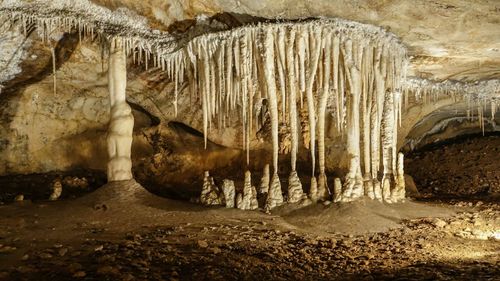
(479, 96)
(320, 65)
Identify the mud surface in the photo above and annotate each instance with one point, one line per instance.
(122, 232)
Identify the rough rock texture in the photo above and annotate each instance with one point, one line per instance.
(210, 193)
(56, 190)
(229, 191)
(275, 195)
(264, 182)
(295, 192)
(248, 199)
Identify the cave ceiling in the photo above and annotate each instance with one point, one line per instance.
(455, 40)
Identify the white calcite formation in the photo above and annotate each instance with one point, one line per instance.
(210, 193)
(264, 182)
(399, 191)
(274, 196)
(313, 190)
(121, 125)
(56, 190)
(295, 192)
(377, 190)
(247, 200)
(337, 190)
(323, 190)
(228, 191)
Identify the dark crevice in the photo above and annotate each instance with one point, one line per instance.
(155, 121)
(185, 128)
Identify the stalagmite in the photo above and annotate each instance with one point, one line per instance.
(377, 190)
(337, 190)
(264, 182)
(119, 137)
(228, 191)
(386, 190)
(56, 190)
(247, 200)
(295, 192)
(369, 188)
(274, 197)
(313, 190)
(210, 193)
(398, 193)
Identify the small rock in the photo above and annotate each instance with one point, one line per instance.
(62, 251)
(202, 244)
(439, 223)
(79, 274)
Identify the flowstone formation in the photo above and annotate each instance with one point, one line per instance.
(302, 75)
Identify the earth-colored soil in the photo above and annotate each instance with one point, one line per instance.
(468, 166)
(122, 232)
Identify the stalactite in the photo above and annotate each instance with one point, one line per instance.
(316, 49)
(271, 90)
(323, 191)
(53, 54)
(292, 108)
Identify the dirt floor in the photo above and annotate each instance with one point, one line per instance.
(122, 232)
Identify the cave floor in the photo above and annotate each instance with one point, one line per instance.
(138, 236)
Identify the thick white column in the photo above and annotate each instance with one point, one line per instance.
(121, 124)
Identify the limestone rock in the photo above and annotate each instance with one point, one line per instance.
(386, 190)
(228, 190)
(56, 190)
(274, 197)
(295, 192)
(210, 194)
(264, 183)
(398, 192)
(377, 190)
(313, 190)
(337, 190)
(368, 184)
(323, 192)
(410, 186)
(247, 200)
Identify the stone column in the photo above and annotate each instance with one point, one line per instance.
(121, 124)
